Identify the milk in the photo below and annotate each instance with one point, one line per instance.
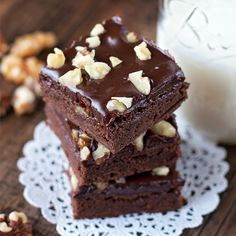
(201, 35)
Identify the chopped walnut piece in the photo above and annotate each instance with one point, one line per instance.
(4, 228)
(73, 180)
(83, 58)
(81, 110)
(100, 185)
(71, 78)
(84, 153)
(138, 142)
(93, 41)
(83, 140)
(13, 69)
(18, 216)
(142, 84)
(125, 100)
(115, 105)
(75, 134)
(131, 37)
(100, 152)
(115, 61)
(57, 59)
(33, 84)
(97, 70)
(161, 171)
(33, 66)
(85, 137)
(97, 30)
(32, 44)
(24, 100)
(142, 52)
(164, 128)
(17, 70)
(119, 104)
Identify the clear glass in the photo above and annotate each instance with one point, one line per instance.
(201, 35)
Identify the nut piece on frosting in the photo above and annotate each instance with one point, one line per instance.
(97, 30)
(97, 70)
(71, 78)
(83, 57)
(119, 104)
(138, 142)
(125, 100)
(93, 41)
(161, 171)
(24, 100)
(131, 37)
(100, 152)
(164, 128)
(142, 52)
(56, 60)
(115, 61)
(142, 84)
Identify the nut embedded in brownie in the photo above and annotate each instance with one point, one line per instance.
(92, 161)
(113, 85)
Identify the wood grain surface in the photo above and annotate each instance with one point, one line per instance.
(69, 19)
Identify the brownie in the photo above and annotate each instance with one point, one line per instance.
(15, 224)
(139, 193)
(110, 102)
(156, 150)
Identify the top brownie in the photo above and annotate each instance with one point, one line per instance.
(112, 84)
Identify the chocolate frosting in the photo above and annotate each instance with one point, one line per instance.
(161, 69)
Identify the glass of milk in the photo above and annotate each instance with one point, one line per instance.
(201, 35)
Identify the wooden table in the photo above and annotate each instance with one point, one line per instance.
(69, 19)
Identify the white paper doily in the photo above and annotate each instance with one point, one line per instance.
(47, 187)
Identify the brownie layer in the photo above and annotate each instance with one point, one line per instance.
(157, 151)
(85, 105)
(116, 135)
(139, 193)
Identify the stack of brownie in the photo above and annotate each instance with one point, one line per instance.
(110, 98)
